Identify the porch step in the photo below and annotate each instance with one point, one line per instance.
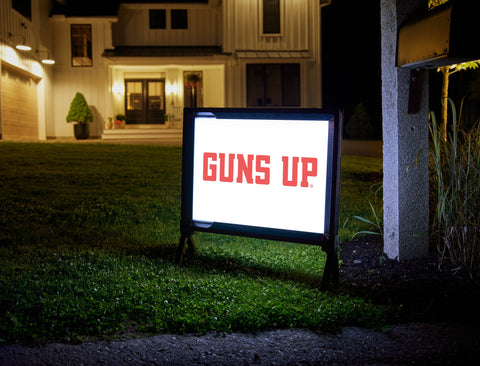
(164, 134)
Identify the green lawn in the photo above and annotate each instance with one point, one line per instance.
(88, 234)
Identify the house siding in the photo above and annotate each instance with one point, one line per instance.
(300, 36)
(243, 26)
(36, 32)
(133, 29)
(91, 81)
(233, 26)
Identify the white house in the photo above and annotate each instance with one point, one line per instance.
(149, 60)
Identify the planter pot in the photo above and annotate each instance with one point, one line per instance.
(81, 131)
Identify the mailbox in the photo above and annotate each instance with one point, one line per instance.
(445, 36)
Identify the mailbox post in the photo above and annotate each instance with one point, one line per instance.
(405, 187)
(412, 42)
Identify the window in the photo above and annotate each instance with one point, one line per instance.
(271, 16)
(158, 19)
(24, 7)
(179, 19)
(81, 45)
(273, 85)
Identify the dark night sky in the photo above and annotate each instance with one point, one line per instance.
(351, 57)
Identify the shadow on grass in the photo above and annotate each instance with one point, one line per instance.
(254, 269)
(214, 262)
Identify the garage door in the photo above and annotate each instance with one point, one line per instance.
(18, 105)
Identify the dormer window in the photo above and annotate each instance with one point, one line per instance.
(179, 18)
(173, 19)
(158, 19)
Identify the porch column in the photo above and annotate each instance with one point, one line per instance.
(405, 184)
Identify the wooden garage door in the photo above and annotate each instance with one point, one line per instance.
(19, 105)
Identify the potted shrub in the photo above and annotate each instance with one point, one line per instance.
(81, 115)
(120, 120)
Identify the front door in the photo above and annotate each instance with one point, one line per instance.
(145, 101)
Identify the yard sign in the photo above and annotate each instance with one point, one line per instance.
(265, 173)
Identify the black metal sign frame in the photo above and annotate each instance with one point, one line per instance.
(328, 240)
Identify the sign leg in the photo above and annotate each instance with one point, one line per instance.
(331, 271)
(186, 246)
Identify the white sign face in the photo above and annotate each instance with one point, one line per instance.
(265, 173)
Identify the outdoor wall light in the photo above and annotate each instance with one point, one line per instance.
(172, 88)
(46, 60)
(22, 44)
(23, 47)
(118, 88)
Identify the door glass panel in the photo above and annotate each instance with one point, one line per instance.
(255, 85)
(273, 85)
(134, 96)
(156, 96)
(291, 85)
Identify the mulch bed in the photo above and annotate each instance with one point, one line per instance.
(418, 289)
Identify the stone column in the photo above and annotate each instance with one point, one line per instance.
(405, 182)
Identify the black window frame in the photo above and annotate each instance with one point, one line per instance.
(157, 19)
(179, 19)
(271, 17)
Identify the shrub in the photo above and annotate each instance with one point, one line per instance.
(79, 110)
(359, 125)
(455, 184)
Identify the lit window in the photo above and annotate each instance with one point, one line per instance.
(81, 45)
(179, 18)
(158, 19)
